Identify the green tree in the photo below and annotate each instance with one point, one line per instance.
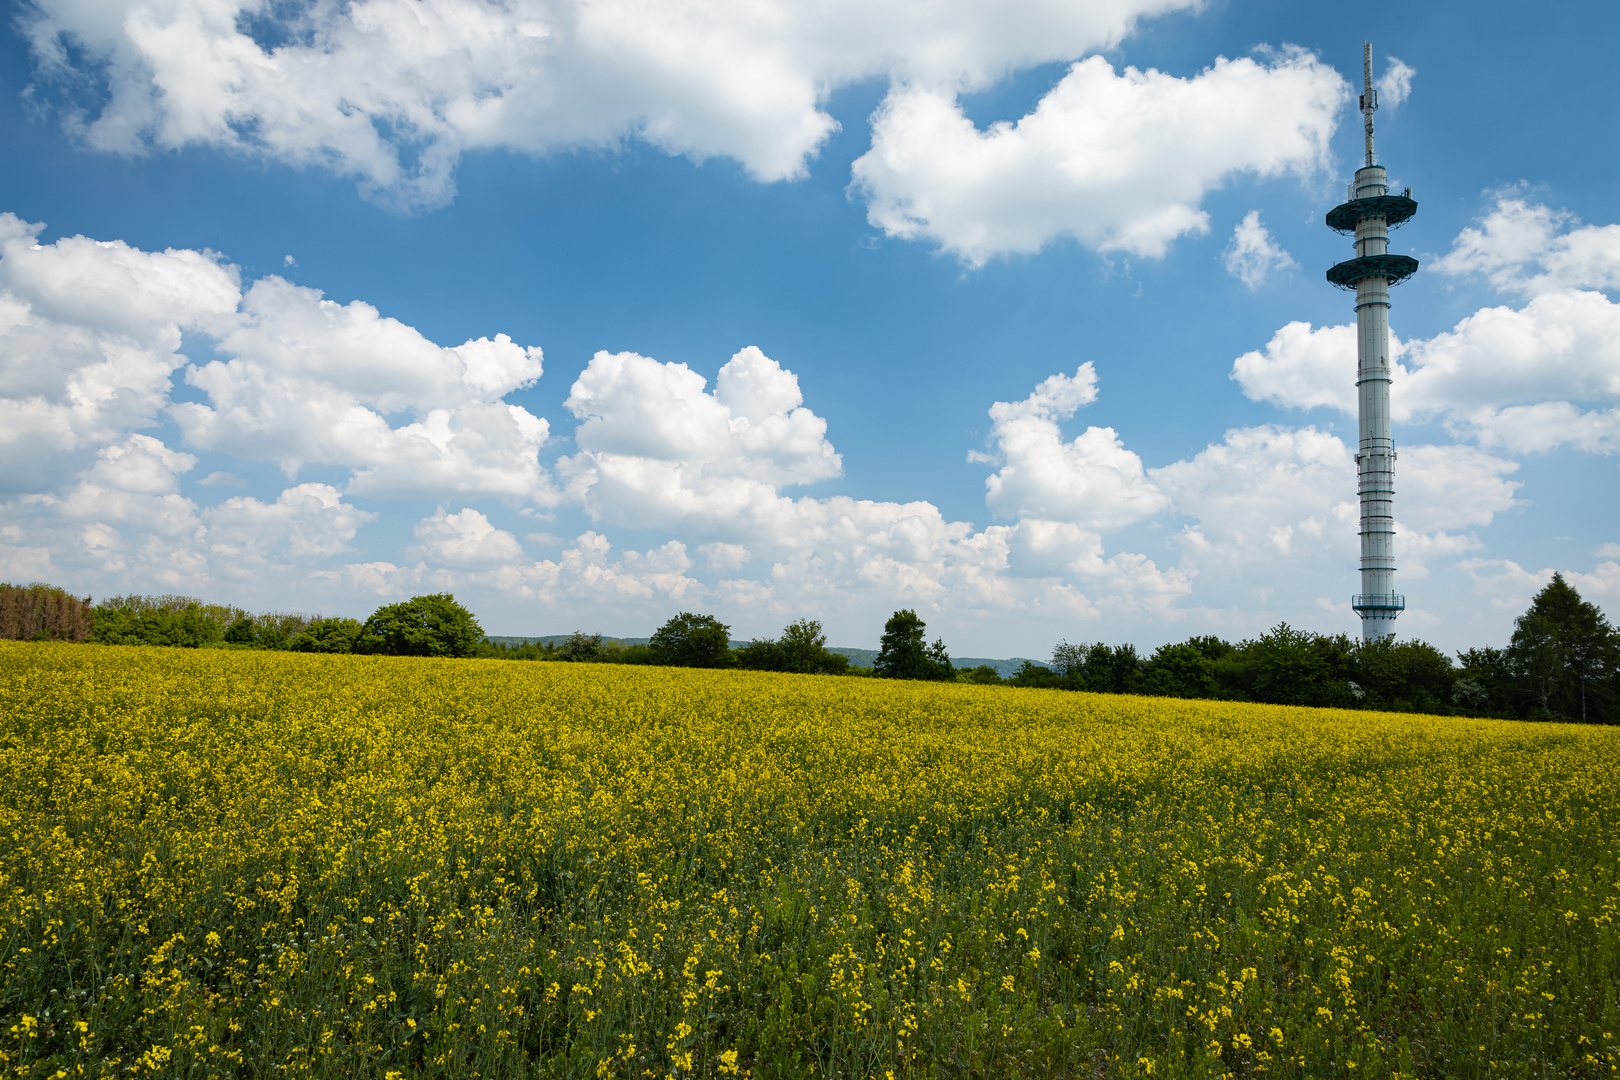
(903, 654)
(1294, 667)
(1562, 657)
(690, 640)
(433, 625)
(581, 648)
(241, 632)
(1099, 668)
(1200, 667)
(1406, 676)
(802, 648)
(336, 635)
(983, 675)
(1039, 676)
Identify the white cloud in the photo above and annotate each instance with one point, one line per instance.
(726, 558)
(123, 516)
(656, 448)
(246, 537)
(1602, 584)
(1395, 84)
(587, 572)
(141, 465)
(20, 565)
(89, 337)
(1119, 162)
(658, 451)
(310, 380)
(90, 333)
(1302, 367)
(1506, 584)
(1256, 494)
(1523, 379)
(394, 92)
(1451, 487)
(380, 580)
(1253, 255)
(464, 539)
(1092, 481)
(125, 522)
(1527, 247)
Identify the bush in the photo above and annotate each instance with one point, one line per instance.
(187, 627)
(983, 675)
(328, 636)
(41, 612)
(802, 648)
(433, 625)
(689, 640)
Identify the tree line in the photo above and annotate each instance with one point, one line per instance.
(1562, 662)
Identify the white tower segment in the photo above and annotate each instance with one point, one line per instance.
(1369, 215)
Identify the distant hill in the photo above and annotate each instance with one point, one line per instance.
(858, 657)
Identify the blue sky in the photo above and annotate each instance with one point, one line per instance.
(246, 381)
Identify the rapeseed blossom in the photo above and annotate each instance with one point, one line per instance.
(257, 864)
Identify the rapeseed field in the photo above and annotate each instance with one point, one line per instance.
(264, 864)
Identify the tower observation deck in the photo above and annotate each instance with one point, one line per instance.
(1369, 214)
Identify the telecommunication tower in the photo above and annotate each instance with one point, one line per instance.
(1369, 215)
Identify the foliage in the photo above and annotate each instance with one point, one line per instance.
(244, 865)
(191, 626)
(581, 648)
(432, 625)
(802, 648)
(1281, 667)
(903, 654)
(41, 612)
(983, 675)
(689, 640)
(335, 635)
(1564, 658)
(187, 622)
(1563, 661)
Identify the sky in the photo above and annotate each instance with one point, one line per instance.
(1013, 314)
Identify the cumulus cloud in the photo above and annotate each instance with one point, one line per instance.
(1527, 247)
(124, 518)
(1253, 255)
(309, 380)
(90, 333)
(1271, 506)
(1395, 84)
(656, 448)
(1452, 487)
(1523, 379)
(659, 450)
(1116, 161)
(1091, 480)
(1261, 491)
(246, 537)
(394, 92)
(464, 539)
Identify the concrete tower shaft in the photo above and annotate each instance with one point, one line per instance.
(1369, 215)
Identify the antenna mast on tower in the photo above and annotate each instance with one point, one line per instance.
(1369, 215)
(1369, 95)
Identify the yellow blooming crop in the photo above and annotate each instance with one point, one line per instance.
(256, 864)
